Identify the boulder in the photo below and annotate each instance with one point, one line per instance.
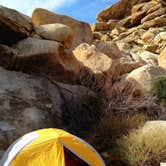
(92, 58)
(161, 11)
(43, 57)
(158, 21)
(57, 32)
(111, 11)
(148, 36)
(125, 65)
(154, 126)
(82, 31)
(109, 48)
(101, 68)
(14, 26)
(30, 102)
(162, 59)
(160, 37)
(102, 26)
(143, 78)
(139, 11)
(149, 57)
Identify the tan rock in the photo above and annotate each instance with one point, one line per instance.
(148, 36)
(126, 22)
(126, 66)
(162, 59)
(151, 47)
(149, 57)
(57, 32)
(14, 26)
(100, 26)
(160, 37)
(109, 48)
(158, 21)
(139, 11)
(82, 31)
(153, 9)
(84, 51)
(144, 77)
(153, 15)
(103, 26)
(111, 11)
(45, 57)
(105, 38)
(101, 67)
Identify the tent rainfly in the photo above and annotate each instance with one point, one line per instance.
(51, 147)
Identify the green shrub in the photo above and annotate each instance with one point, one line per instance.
(159, 90)
(143, 147)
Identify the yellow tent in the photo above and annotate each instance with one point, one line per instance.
(48, 147)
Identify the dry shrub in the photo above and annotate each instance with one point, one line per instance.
(113, 126)
(144, 147)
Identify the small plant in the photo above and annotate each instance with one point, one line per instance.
(144, 147)
(159, 90)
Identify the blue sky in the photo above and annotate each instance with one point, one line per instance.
(84, 10)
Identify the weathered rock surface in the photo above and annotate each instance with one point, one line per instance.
(57, 32)
(82, 31)
(30, 102)
(13, 26)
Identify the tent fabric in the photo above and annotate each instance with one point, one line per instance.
(48, 149)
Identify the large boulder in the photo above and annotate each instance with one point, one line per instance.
(149, 57)
(139, 11)
(115, 11)
(154, 126)
(100, 67)
(57, 32)
(109, 48)
(125, 65)
(45, 57)
(157, 21)
(82, 31)
(162, 59)
(13, 26)
(144, 77)
(30, 102)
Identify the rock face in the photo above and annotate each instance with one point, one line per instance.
(35, 102)
(82, 31)
(56, 32)
(13, 26)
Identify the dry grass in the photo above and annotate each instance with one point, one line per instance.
(144, 147)
(112, 127)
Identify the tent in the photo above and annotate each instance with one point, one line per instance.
(51, 147)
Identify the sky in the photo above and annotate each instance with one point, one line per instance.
(84, 10)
